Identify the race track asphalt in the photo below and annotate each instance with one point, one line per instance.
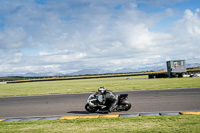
(168, 100)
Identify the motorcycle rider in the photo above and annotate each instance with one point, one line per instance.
(109, 96)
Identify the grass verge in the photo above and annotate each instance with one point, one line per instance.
(164, 124)
(91, 85)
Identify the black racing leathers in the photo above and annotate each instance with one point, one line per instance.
(112, 98)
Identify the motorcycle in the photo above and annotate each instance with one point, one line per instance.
(97, 103)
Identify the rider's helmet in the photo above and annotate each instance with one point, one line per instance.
(101, 90)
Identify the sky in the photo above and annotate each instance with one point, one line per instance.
(66, 36)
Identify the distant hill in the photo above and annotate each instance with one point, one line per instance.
(192, 66)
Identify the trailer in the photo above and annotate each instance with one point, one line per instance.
(176, 68)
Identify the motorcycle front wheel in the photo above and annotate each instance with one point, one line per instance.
(90, 109)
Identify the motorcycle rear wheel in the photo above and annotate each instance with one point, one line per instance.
(90, 109)
(126, 105)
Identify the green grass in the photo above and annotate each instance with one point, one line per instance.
(91, 85)
(164, 124)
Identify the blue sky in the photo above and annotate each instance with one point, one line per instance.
(65, 36)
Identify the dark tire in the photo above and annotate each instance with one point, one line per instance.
(126, 105)
(90, 109)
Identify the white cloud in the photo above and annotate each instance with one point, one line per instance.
(169, 12)
(12, 38)
(186, 32)
(69, 35)
(63, 58)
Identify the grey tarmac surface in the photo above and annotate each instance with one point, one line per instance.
(169, 100)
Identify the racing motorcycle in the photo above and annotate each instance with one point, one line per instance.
(97, 103)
